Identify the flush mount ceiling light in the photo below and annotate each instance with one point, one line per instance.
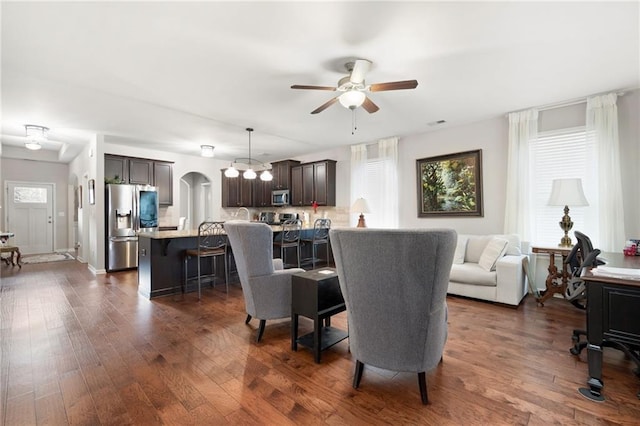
(35, 134)
(249, 166)
(206, 150)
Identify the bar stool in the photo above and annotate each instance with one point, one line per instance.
(212, 243)
(320, 235)
(289, 238)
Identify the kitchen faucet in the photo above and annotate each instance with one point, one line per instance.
(246, 210)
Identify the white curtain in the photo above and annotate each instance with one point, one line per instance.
(358, 176)
(523, 128)
(388, 153)
(602, 126)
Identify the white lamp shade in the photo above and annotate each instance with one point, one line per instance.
(206, 150)
(360, 206)
(352, 99)
(266, 176)
(231, 172)
(249, 174)
(567, 192)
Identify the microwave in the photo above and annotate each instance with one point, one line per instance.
(280, 197)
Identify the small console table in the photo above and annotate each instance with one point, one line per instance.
(13, 250)
(316, 294)
(556, 281)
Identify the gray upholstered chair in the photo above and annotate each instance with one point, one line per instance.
(265, 284)
(394, 284)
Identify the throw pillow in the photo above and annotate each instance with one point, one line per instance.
(461, 248)
(492, 252)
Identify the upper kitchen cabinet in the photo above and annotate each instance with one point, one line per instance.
(314, 182)
(261, 193)
(141, 171)
(116, 169)
(163, 179)
(281, 171)
(237, 192)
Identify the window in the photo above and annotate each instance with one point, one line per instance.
(566, 153)
(23, 194)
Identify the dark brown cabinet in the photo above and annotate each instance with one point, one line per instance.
(116, 169)
(163, 179)
(296, 186)
(261, 193)
(314, 182)
(281, 171)
(141, 171)
(237, 192)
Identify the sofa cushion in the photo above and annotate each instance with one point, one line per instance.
(461, 248)
(475, 247)
(494, 250)
(472, 273)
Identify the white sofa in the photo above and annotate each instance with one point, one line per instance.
(489, 267)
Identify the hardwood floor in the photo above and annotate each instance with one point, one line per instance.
(79, 349)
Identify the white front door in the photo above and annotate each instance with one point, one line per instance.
(30, 216)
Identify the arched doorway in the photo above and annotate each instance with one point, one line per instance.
(195, 199)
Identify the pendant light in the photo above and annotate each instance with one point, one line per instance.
(249, 166)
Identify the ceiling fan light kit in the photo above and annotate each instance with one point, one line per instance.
(249, 166)
(35, 134)
(353, 87)
(352, 99)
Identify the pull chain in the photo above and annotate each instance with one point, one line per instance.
(354, 123)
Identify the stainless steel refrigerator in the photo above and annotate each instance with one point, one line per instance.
(130, 210)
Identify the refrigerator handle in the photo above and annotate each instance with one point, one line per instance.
(136, 214)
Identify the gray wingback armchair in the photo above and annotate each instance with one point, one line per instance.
(394, 284)
(265, 284)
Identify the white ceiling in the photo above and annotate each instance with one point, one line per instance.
(174, 75)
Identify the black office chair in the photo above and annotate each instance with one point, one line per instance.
(582, 255)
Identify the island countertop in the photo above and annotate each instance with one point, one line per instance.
(186, 233)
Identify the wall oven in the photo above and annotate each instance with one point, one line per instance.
(280, 197)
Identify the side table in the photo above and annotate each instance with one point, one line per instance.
(556, 281)
(316, 295)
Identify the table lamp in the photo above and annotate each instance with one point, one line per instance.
(360, 206)
(567, 192)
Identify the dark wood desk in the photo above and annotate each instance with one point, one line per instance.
(556, 281)
(613, 319)
(316, 294)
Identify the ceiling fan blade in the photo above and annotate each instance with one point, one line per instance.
(360, 68)
(302, 86)
(325, 105)
(394, 85)
(369, 106)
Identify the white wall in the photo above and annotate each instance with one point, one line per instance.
(42, 172)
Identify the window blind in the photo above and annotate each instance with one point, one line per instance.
(566, 153)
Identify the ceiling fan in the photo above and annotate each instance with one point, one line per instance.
(353, 87)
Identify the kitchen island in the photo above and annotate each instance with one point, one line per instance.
(161, 260)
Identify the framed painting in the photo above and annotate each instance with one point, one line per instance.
(450, 185)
